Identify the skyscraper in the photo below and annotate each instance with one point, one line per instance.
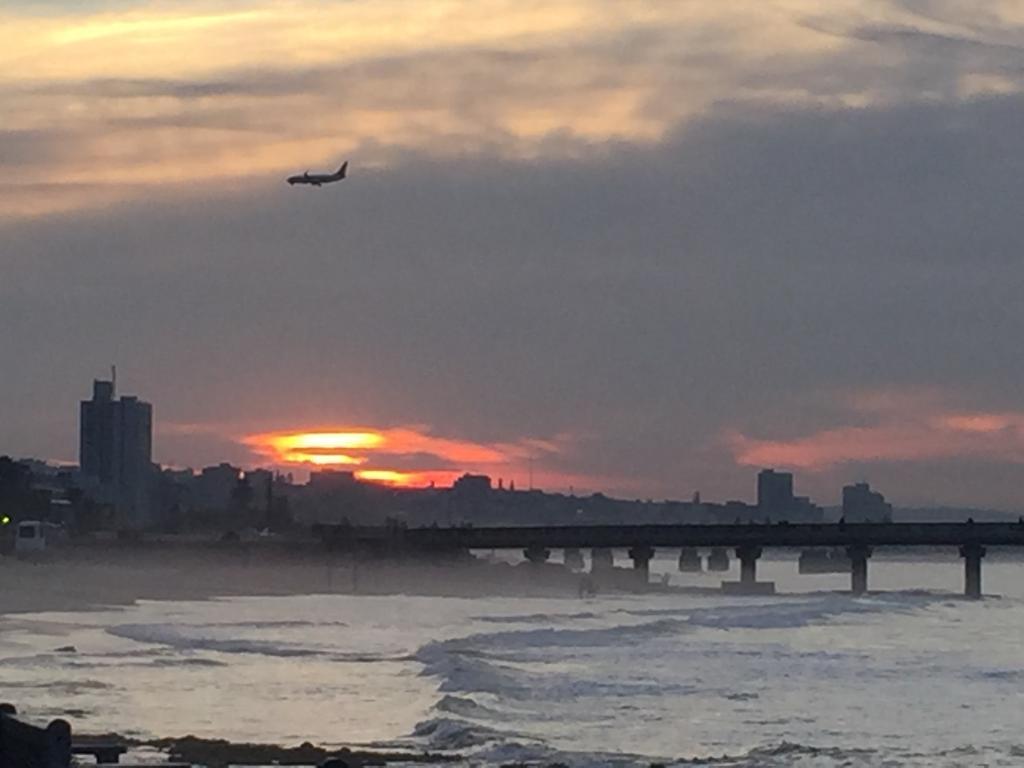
(116, 450)
(774, 492)
(775, 499)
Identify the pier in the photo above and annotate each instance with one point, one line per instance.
(746, 543)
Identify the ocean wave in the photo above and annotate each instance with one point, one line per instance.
(537, 618)
(777, 614)
(782, 755)
(467, 672)
(1015, 676)
(173, 641)
(451, 734)
(548, 664)
(464, 707)
(62, 687)
(461, 671)
(270, 624)
(474, 663)
(787, 754)
(792, 614)
(526, 752)
(168, 660)
(170, 636)
(551, 637)
(184, 662)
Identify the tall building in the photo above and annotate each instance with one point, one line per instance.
(116, 452)
(775, 499)
(862, 505)
(774, 492)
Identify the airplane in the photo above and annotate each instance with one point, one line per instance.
(319, 179)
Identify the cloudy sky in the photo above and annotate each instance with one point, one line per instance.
(637, 246)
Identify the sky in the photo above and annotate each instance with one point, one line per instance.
(637, 247)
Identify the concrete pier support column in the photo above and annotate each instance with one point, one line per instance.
(641, 557)
(718, 559)
(537, 555)
(690, 561)
(748, 563)
(601, 560)
(858, 568)
(573, 559)
(972, 554)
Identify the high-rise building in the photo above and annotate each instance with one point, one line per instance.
(862, 505)
(774, 492)
(116, 452)
(775, 499)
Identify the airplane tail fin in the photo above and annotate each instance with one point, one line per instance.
(342, 170)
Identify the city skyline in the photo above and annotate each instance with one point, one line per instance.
(641, 249)
(116, 467)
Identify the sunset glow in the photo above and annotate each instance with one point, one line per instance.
(637, 248)
(326, 441)
(407, 479)
(321, 459)
(905, 428)
(404, 456)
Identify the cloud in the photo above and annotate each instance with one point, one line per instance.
(267, 89)
(544, 233)
(413, 455)
(915, 430)
(643, 298)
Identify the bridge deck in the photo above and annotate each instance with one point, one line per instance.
(677, 536)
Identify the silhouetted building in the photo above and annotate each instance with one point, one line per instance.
(333, 496)
(774, 492)
(214, 485)
(804, 510)
(862, 505)
(116, 451)
(331, 479)
(776, 502)
(472, 486)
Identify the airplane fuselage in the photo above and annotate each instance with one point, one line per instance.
(315, 179)
(319, 179)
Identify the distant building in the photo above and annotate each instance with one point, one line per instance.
(805, 511)
(332, 480)
(338, 496)
(776, 502)
(476, 487)
(116, 452)
(774, 492)
(862, 505)
(214, 485)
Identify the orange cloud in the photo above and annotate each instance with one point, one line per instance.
(301, 447)
(984, 423)
(318, 448)
(111, 111)
(906, 429)
(321, 459)
(405, 456)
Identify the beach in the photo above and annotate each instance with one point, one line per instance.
(910, 675)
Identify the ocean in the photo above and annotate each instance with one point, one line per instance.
(910, 675)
